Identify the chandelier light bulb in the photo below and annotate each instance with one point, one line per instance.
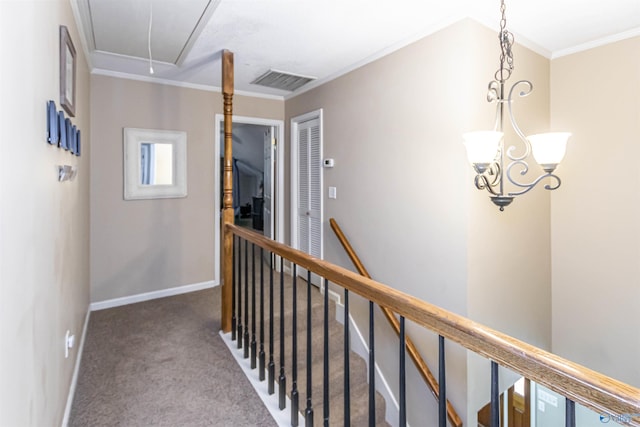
(549, 148)
(482, 146)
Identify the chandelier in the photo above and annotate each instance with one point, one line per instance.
(486, 149)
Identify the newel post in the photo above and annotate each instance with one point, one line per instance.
(227, 201)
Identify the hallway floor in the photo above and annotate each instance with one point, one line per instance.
(163, 363)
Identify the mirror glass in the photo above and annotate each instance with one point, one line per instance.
(155, 164)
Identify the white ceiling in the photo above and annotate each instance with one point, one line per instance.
(317, 38)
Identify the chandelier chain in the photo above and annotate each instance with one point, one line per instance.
(506, 42)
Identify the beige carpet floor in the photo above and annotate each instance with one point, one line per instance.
(162, 363)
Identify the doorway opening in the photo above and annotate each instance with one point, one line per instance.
(258, 170)
(515, 407)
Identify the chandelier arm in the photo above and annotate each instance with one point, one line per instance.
(497, 124)
(529, 186)
(492, 93)
(553, 187)
(524, 92)
(489, 179)
(482, 183)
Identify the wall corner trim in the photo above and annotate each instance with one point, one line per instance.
(116, 302)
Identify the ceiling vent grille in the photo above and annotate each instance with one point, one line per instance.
(281, 80)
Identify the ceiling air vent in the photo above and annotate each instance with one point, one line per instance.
(281, 80)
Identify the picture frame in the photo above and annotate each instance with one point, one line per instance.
(67, 72)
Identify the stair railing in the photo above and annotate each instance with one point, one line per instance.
(576, 383)
(417, 359)
(604, 395)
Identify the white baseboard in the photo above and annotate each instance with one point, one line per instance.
(76, 370)
(281, 417)
(360, 347)
(287, 270)
(116, 302)
(335, 297)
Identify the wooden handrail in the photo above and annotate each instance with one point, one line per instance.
(584, 386)
(421, 365)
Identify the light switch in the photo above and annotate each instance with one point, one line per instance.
(332, 193)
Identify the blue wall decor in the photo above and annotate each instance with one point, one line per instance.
(52, 123)
(61, 131)
(62, 127)
(69, 136)
(74, 138)
(78, 142)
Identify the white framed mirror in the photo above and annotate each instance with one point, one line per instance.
(155, 164)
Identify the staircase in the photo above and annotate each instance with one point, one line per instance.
(358, 387)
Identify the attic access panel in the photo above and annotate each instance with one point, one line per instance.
(121, 27)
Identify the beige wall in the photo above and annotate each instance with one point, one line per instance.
(406, 198)
(509, 276)
(595, 215)
(44, 224)
(402, 197)
(149, 245)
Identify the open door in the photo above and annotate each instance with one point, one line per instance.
(254, 139)
(268, 183)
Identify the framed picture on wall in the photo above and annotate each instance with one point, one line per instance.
(67, 72)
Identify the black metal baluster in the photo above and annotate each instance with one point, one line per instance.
(442, 387)
(233, 291)
(308, 413)
(246, 299)
(253, 306)
(282, 380)
(570, 413)
(261, 366)
(495, 396)
(325, 373)
(403, 387)
(239, 293)
(372, 369)
(294, 346)
(272, 365)
(347, 370)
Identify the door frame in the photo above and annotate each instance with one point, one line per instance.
(295, 122)
(278, 204)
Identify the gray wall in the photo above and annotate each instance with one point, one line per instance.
(149, 245)
(44, 224)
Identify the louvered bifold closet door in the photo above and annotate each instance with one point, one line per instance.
(309, 189)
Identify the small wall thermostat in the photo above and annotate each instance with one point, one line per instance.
(328, 163)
